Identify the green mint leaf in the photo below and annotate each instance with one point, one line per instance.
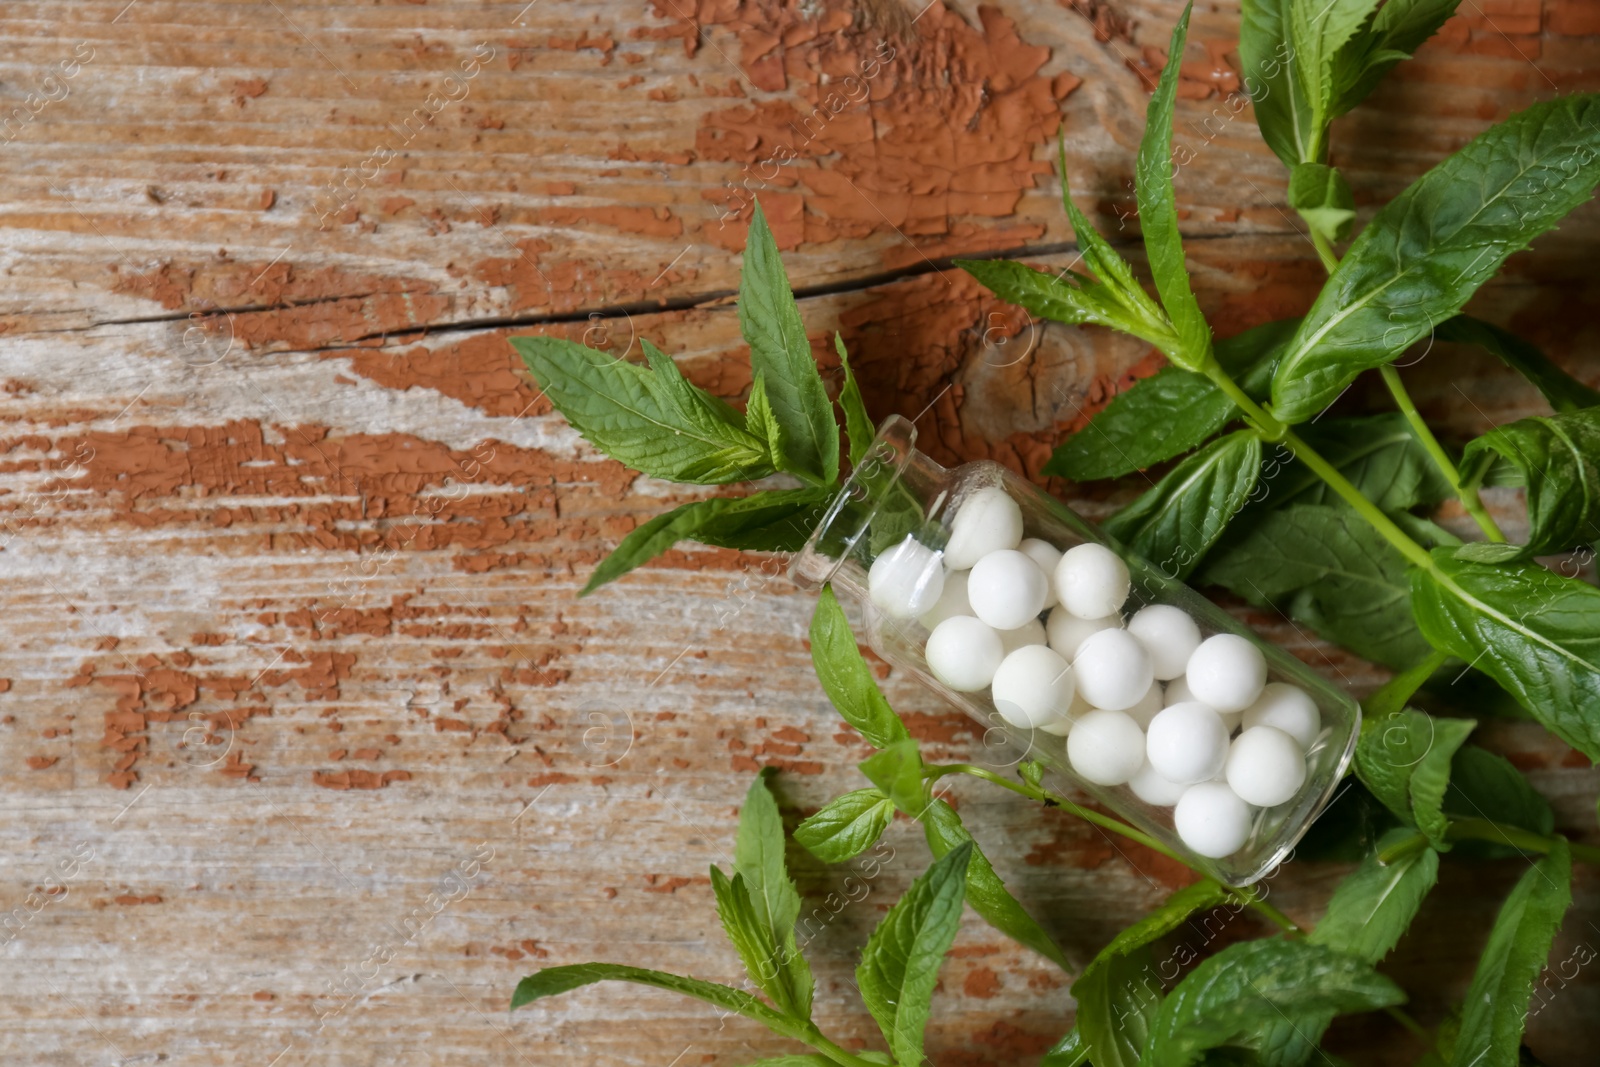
(760, 421)
(897, 772)
(985, 891)
(1373, 907)
(1496, 1006)
(1323, 198)
(781, 354)
(1118, 994)
(1178, 519)
(1070, 1051)
(1330, 570)
(1117, 1002)
(858, 425)
(1243, 996)
(1427, 251)
(752, 938)
(775, 903)
(1379, 454)
(900, 965)
(847, 679)
(1069, 297)
(554, 980)
(774, 520)
(1283, 110)
(1484, 785)
(1104, 260)
(1394, 33)
(1171, 411)
(847, 826)
(1563, 392)
(1173, 912)
(1558, 457)
(648, 418)
(1319, 29)
(1530, 630)
(1158, 213)
(1405, 760)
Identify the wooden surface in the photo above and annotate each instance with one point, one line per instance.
(291, 545)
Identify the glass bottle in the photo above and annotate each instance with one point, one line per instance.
(901, 504)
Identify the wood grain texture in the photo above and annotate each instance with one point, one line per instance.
(309, 751)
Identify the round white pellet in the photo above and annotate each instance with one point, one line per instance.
(986, 522)
(1048, 557)
(1265, 766)
(1147, 708)
(1113, 670)
(1290, 709)
(952, 600)
(1151, 788)
(1178, 693)
(1170, 636)
(964, 653)
(1066, 631)
(1006, 589)
(1029, 633)
(1061, 726)
(1187, 743)
(1212, 820)
(906, 580)
(1033, 686)
(1092, 581)
(1106, 747)
(1227, 672)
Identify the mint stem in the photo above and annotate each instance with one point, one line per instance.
(1430, 444)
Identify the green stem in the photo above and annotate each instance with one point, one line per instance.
(813, 1037)
(1502, 834)
(1273, 430)
(1055, 800)
(1403, 849)
(1404, 1018)
(1430, 444)
(1325, 252)
(1336, 480)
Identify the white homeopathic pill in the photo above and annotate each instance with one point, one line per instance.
(1187, 743)
(1105, 747)
(1265, 766)
(1092, 581)
(1048, 557)
(964, 653)
(987, 521)
(1212, 820)
(1147, 708)
(1066, 631)
(1169, 634)
(952, 600)
(906, 580)
(1033, 686)
(1006, 589)
(1289, 708)
(1113, 670)
(1029, 633)
(1227, 671)
(1150, 787)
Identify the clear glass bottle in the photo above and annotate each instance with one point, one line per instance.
(896, 493)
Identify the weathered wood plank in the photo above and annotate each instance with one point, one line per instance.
(297, 573)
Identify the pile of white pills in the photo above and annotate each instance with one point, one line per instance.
(1185, 723)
